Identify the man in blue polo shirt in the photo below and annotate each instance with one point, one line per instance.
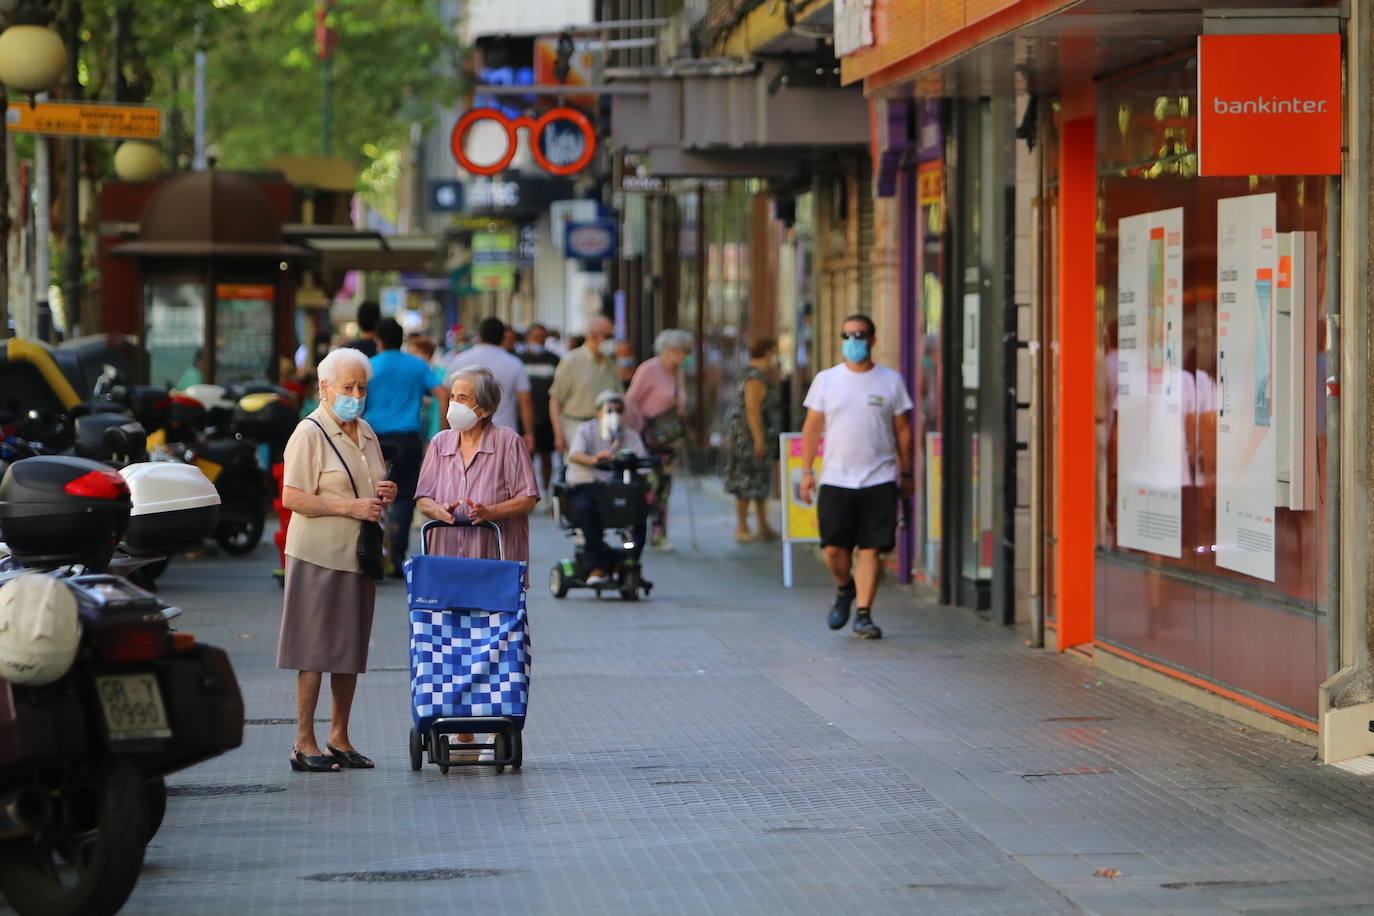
(395, 402)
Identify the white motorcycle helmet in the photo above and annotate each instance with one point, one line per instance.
(39, 629)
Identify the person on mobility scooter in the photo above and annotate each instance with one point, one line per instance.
(604, 488)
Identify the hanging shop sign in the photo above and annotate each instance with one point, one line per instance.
(1247, 458)
(1149, 383)
(446, 196)
(592, 241)
(493, 261)
(1269, 104)
(562, 140)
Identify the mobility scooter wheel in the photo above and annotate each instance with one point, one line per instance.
(629, 585)
(558, 582)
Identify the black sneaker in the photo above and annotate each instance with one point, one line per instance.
(865, 628)
(839, 611)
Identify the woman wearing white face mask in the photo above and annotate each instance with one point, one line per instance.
(477, 470)
(333, 480)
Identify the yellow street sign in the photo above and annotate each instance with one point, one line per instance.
(86, 119)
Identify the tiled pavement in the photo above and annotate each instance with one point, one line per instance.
(717, 749)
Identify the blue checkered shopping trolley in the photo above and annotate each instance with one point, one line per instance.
(469, 656)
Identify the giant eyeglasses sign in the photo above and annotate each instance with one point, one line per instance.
(538, 128)
(1269, 104)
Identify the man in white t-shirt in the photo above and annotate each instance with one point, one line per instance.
(509, 370)
(864, 411)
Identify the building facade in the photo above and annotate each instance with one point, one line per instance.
(1127, 353)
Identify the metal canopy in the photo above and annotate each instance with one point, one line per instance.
(1071, 46)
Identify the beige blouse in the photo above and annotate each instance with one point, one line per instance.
(312, 467)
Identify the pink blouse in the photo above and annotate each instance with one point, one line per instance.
(652, 391)
(500, 470)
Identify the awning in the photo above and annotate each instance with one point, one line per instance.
(343, 248)
(973, 48)
(753, 121)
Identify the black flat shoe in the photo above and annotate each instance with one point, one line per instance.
(321, 764)
(350, 759)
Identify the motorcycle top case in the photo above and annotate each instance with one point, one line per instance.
(175, 507)
(56, 510)
(265, 417)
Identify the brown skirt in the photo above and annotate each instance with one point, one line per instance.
(326, 620)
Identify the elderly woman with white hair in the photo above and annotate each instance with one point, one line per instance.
(656, 408)
(334, 479)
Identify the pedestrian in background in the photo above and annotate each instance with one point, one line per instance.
(656, 408)
(423, 346)
(510, 374)
(400, 384)
(541, 363)
(625, 361)
(599, 439)
(754, 425)
(334, 479)
(582, 375)
(864, 411)
(369, 315)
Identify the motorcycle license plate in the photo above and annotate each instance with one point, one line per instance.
(133, 707)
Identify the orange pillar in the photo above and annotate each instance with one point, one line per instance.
(1077, 306)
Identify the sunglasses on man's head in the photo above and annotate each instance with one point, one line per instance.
(854, 335)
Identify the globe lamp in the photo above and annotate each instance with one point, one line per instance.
(32, 58)
(136, 160)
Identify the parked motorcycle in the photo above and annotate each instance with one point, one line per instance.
(99, 698)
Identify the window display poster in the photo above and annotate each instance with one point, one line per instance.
(1149, 390)
(1247, 263)
(243, 332)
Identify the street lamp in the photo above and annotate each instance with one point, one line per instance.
(32, 58)
(136, 160)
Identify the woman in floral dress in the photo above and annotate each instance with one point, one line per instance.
(755, 422)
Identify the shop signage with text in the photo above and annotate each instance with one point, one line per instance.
(1269, 104)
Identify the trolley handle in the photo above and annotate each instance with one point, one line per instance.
(461, 523)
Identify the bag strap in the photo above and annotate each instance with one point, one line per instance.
(340, 456)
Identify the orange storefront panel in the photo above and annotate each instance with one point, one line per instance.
(910, 36)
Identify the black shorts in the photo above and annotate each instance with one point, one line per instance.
(543, 437)
(865, 518)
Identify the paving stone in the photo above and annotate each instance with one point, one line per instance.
(718, 749)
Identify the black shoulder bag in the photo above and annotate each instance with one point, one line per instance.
(371, 535)
(664, 431)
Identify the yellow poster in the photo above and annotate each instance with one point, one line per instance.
(799, 519)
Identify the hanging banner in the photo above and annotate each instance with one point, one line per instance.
(1247, 265)
(1149, 381)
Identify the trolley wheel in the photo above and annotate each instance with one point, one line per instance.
(558, 582)
(416, 750)
(519, 743)
(441, 754)
(501, 751)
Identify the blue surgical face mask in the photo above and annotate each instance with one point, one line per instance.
(689, 362)
(348, 408)
(854, 350)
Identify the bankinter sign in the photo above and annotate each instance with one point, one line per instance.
(1269, 104)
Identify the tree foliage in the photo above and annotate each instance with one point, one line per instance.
(393, 62)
